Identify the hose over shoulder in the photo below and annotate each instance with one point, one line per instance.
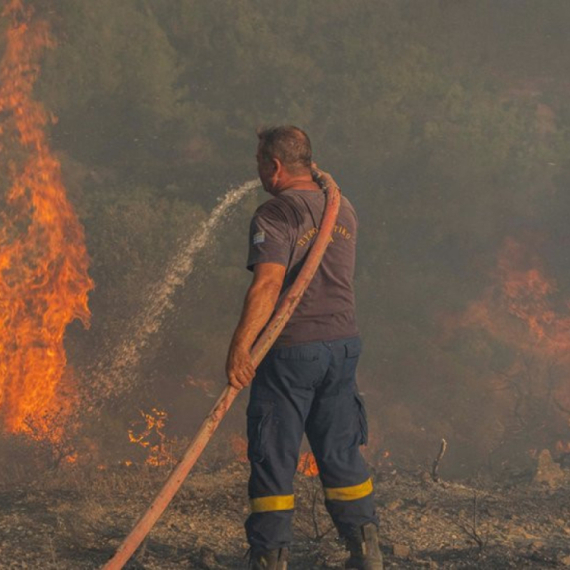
(227, 397)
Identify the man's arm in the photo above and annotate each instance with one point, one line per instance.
(258, 307)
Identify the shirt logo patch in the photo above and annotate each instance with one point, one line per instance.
(259, 237)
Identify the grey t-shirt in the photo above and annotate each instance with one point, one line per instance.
(282, 231)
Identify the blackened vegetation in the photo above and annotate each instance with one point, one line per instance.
(68, 521)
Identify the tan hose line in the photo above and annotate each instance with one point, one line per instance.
(221, 407)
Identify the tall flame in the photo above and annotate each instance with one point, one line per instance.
(43, 259)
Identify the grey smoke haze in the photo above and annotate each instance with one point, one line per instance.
(445, 122)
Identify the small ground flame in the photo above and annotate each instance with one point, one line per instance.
(43, 260)
(308, 465)
(149, 434)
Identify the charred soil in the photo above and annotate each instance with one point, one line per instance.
(73, 518)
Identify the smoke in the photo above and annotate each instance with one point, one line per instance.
(445, 123)
(118, 375)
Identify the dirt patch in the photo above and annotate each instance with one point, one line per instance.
(74, 519)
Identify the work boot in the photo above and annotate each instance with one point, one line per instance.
(364, 549)
(261, 559)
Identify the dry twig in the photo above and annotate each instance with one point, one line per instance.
(471, 528)
(316, 500)
(435, 466)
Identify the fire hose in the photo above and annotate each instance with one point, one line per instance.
(226, 399)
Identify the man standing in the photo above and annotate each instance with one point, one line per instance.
(306, 383)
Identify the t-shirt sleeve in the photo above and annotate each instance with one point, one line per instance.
(269, 237)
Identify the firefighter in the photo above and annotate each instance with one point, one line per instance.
(306, 383)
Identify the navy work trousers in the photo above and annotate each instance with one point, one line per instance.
(307, 388)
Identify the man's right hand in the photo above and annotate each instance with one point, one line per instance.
(239, 368)
(258, 307)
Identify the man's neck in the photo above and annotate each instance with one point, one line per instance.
(299, 183)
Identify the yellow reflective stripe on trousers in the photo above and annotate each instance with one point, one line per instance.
(274, 503)
(349, 493)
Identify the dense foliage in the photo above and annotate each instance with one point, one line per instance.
(445, 122)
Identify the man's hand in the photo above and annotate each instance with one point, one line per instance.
(239, 368)
(258, 307)
(317, 173)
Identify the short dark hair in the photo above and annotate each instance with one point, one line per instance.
(289, 144)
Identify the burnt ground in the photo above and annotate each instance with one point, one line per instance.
(74, 518)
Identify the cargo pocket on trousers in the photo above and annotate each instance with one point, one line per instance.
(363, 422)
(352, 350)
(259, 416)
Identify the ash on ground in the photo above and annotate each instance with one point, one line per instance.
(74, 518)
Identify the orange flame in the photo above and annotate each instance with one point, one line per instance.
(72, 459)
(526, 291)
(152, 430)
(43, 260)
(525, 310)
(308, 465)
(527, 294)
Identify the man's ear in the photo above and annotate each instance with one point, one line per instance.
(277, 167)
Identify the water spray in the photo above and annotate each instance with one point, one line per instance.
(226, 399)
(115, 375)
